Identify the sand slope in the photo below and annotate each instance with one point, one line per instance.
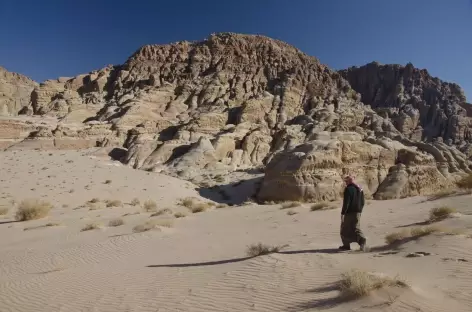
(199, 264)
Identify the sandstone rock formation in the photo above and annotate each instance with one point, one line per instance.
(15, 92)
(239, 102)
(420, 106)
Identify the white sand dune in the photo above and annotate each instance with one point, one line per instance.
(200, 264)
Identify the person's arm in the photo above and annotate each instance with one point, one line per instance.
(362, 199)
(346, 201)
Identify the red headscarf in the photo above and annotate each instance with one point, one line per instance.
(350, 180)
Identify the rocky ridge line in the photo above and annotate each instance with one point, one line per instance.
(235, 102)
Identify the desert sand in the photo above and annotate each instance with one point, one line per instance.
(199, 263)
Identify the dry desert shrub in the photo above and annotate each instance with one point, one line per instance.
(412, 233)
(93, 206)
(91, 226)
(151, 225)
(163, 223)
(114, 203)
(290, 205)
(32, 209)
(94, 200)
(161, 212)
(3, 211)
(465, 182)
(180, 215)
(116, 222)
(194, 206)
(441, 213)
(319, 206)
(199, 207)
(219, 206)
(135, 202)
(150, 206)
(260, 249)
(248, 202)
(108, 182)
(187, 202)
(143, 228)
(356, 283)
(291, 212)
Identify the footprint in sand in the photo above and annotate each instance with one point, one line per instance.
(386, 253)
(457, 259)
(418, 254)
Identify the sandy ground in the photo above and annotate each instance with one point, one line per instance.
(199, 264)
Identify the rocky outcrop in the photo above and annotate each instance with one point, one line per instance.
(420, 106)
(239, 102)
(385, 168)
(13, 131)
(15, 92)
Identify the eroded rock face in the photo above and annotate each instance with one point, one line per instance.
(240, 102)
(15, 92)
(420, 106)
(232, 94)
(313, 171)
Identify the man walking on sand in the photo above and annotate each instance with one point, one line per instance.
(353, 203)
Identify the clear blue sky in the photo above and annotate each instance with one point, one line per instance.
(46, 39)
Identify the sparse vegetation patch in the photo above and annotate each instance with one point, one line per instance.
(116, 222)
(441, 213)
(355, 283)
(290, 205)
(32, 209)
(91, 226)
(114, 203)
(260, 249)
(150, 206)
(412, 233)
(161, 212)
(320, 206)
(465, 182)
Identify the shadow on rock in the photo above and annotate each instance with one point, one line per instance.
(234, 193)
(117, 154)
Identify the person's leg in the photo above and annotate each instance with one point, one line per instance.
(360, 238)
(346, 229)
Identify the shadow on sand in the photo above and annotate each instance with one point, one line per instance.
(319, 304)
(322, 304)
(8, 222)
(240, 259)
(422, 223)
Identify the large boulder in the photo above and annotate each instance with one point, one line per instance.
(314, 170)
(414, 174)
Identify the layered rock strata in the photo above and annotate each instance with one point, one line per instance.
(238, 102)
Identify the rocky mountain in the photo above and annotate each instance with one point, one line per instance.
(421, 107)
(232, 103)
